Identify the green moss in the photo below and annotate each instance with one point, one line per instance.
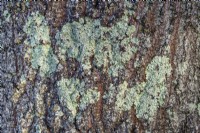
(71, 90)
(111, 47)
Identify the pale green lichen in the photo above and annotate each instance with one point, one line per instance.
(6, 15)
(155, 88)
(198, 108)
(146, 96)
(111, 94)
(116, 46)
(111, 47)
(128, 96)
(37, 29)
(71, 90)
(182, 67)
(192, 107)
(44, 60)
(90, 97)
(77, 40)
(69, 93)
(38, 44)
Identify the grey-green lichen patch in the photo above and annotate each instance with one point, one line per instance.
(111, 47)
(111, 94)
(69, 93)
(37, 29)
(116, 46)
(89, 97)
(128, 96)
(155, 88)
(74, 94)
(6, 15)
(192, 107)
(174, 117)
(44, 60)
(38, 45)
(182, 67)
(198, 108)
(147, 96)
(77, 40)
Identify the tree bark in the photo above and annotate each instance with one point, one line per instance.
(32, 103)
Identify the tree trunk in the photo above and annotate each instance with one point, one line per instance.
(113, 66)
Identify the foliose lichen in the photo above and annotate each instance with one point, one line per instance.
(155, 89)
(38, 44)
(74, 94)
(111, 47)
(198, 108)
(147, 96)
(77, 40)
(89, 97)
(44, 60)
(128, 96)
(37, 30)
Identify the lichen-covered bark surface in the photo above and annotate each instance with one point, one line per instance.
(96, 66)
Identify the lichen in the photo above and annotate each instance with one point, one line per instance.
(128, 96)
(38, 45)
(71, 90)
(69, 93)
(44, 60)
(146, 96)
(6, 15)
(77, 40)
(198, 108)
(37, 30)
(111, 94)
(90, 97)
(116, 46)
(21, 85)
(111, 47)
(155, 89)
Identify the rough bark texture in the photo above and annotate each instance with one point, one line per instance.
(31, 102)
